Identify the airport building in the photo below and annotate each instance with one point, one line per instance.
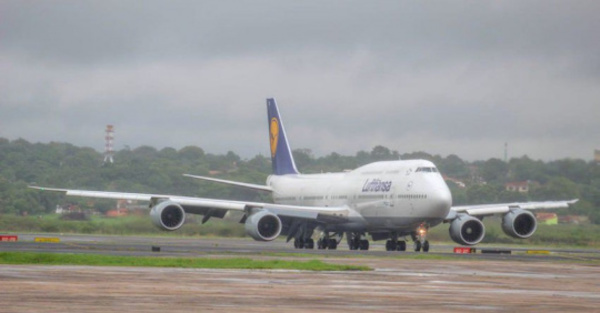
(522, 186)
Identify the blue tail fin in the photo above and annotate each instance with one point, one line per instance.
(281, 154)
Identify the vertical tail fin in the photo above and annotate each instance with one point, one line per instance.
(281, 154)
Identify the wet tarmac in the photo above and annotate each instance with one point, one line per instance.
(559, 282)
(189, 246)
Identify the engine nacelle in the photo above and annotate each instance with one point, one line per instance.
(519, 224)
(467, 230)
(167, 215)
(263, 226)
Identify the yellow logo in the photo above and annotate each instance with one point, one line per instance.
(274, 135)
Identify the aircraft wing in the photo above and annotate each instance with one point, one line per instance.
(230, 182)
(216, 207)
(491, 209)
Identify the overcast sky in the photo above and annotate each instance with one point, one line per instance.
(442, 77)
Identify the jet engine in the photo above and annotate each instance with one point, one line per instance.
(467, 230)
(263, 226)
(167, 215)
(519, 224)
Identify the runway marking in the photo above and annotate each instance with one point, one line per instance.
(538, 252)
(47, 239)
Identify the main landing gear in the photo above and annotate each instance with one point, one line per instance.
(394, 244)
(330, 244)
(301, 243)
(357, 241)
(302, 235)
(326, 241)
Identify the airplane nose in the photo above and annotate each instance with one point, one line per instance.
(442, 200)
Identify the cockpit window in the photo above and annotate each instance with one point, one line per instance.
(427, 169)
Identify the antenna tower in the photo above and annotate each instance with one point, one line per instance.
(109, 152)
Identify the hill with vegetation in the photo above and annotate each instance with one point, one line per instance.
(146, 169)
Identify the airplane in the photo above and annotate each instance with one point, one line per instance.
(388, 200)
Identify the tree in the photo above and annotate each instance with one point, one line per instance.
(381, 153)
(482, 194)
(524, 168)
(494, 170)
(453, 166)
(558, 188)
(191, 154)
(303, 158)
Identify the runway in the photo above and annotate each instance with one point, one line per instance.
(563, 281)
(187, 246)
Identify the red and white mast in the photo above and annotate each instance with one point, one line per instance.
(109, 152)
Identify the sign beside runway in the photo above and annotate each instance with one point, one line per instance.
(47, 239)
(5, 238)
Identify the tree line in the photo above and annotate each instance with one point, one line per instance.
(146, 169)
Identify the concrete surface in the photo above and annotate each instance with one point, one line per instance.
(565, 281)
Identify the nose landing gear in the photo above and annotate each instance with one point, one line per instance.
(420, 239)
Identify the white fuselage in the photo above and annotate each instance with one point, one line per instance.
(384, 196)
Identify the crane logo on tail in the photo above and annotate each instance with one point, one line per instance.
(274, 135)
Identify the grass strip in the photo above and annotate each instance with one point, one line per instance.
(142, 261)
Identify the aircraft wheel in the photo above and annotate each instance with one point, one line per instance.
(401, 245)
(417, 246)
(332, 244)
(352, 245)
(321, 244)
(390, 245)
(364, 245)
(309, 244)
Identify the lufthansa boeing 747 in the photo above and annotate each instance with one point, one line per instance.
(390, 200)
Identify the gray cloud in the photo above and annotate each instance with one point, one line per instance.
(444, 77)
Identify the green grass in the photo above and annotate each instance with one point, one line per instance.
(585, 236)
(213, 263)
(130, 225)
(562, 235)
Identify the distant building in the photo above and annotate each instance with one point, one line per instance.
(574, 219)
(130, 205)
(117, 213)
(126, 208)
(522, 186)
(66, 209)
(547, 218)
(597, 155)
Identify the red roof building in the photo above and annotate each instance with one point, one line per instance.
(522, 186)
